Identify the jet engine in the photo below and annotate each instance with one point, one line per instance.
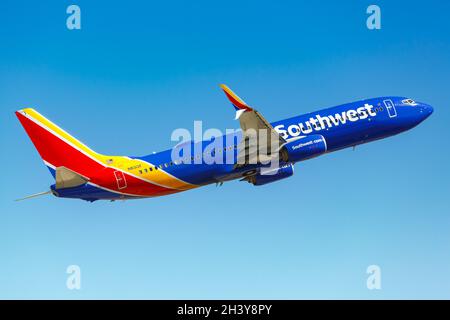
(266, 176)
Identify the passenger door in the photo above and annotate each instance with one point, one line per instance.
(120, 178)
(390, 107)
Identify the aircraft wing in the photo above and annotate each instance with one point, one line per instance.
(252, 122)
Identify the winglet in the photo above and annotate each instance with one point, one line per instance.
(237, 102)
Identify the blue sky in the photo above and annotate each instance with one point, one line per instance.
(140, 69)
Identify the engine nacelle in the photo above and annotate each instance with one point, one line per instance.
(271, 175)
(304, 148)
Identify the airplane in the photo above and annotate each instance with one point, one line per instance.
(82, 173)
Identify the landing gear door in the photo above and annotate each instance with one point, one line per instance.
(120, 178)
(390, 107)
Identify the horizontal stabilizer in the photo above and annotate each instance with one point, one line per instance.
(66, 178)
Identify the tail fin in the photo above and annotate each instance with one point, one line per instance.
(55, 146)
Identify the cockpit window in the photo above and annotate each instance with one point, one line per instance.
(410, 102)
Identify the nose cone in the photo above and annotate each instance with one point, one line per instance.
(415, 113)
(426, 110)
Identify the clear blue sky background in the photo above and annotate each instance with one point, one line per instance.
(139, 69)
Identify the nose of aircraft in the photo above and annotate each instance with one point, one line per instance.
(425, 110)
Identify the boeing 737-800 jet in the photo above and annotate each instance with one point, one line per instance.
(82, 173)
